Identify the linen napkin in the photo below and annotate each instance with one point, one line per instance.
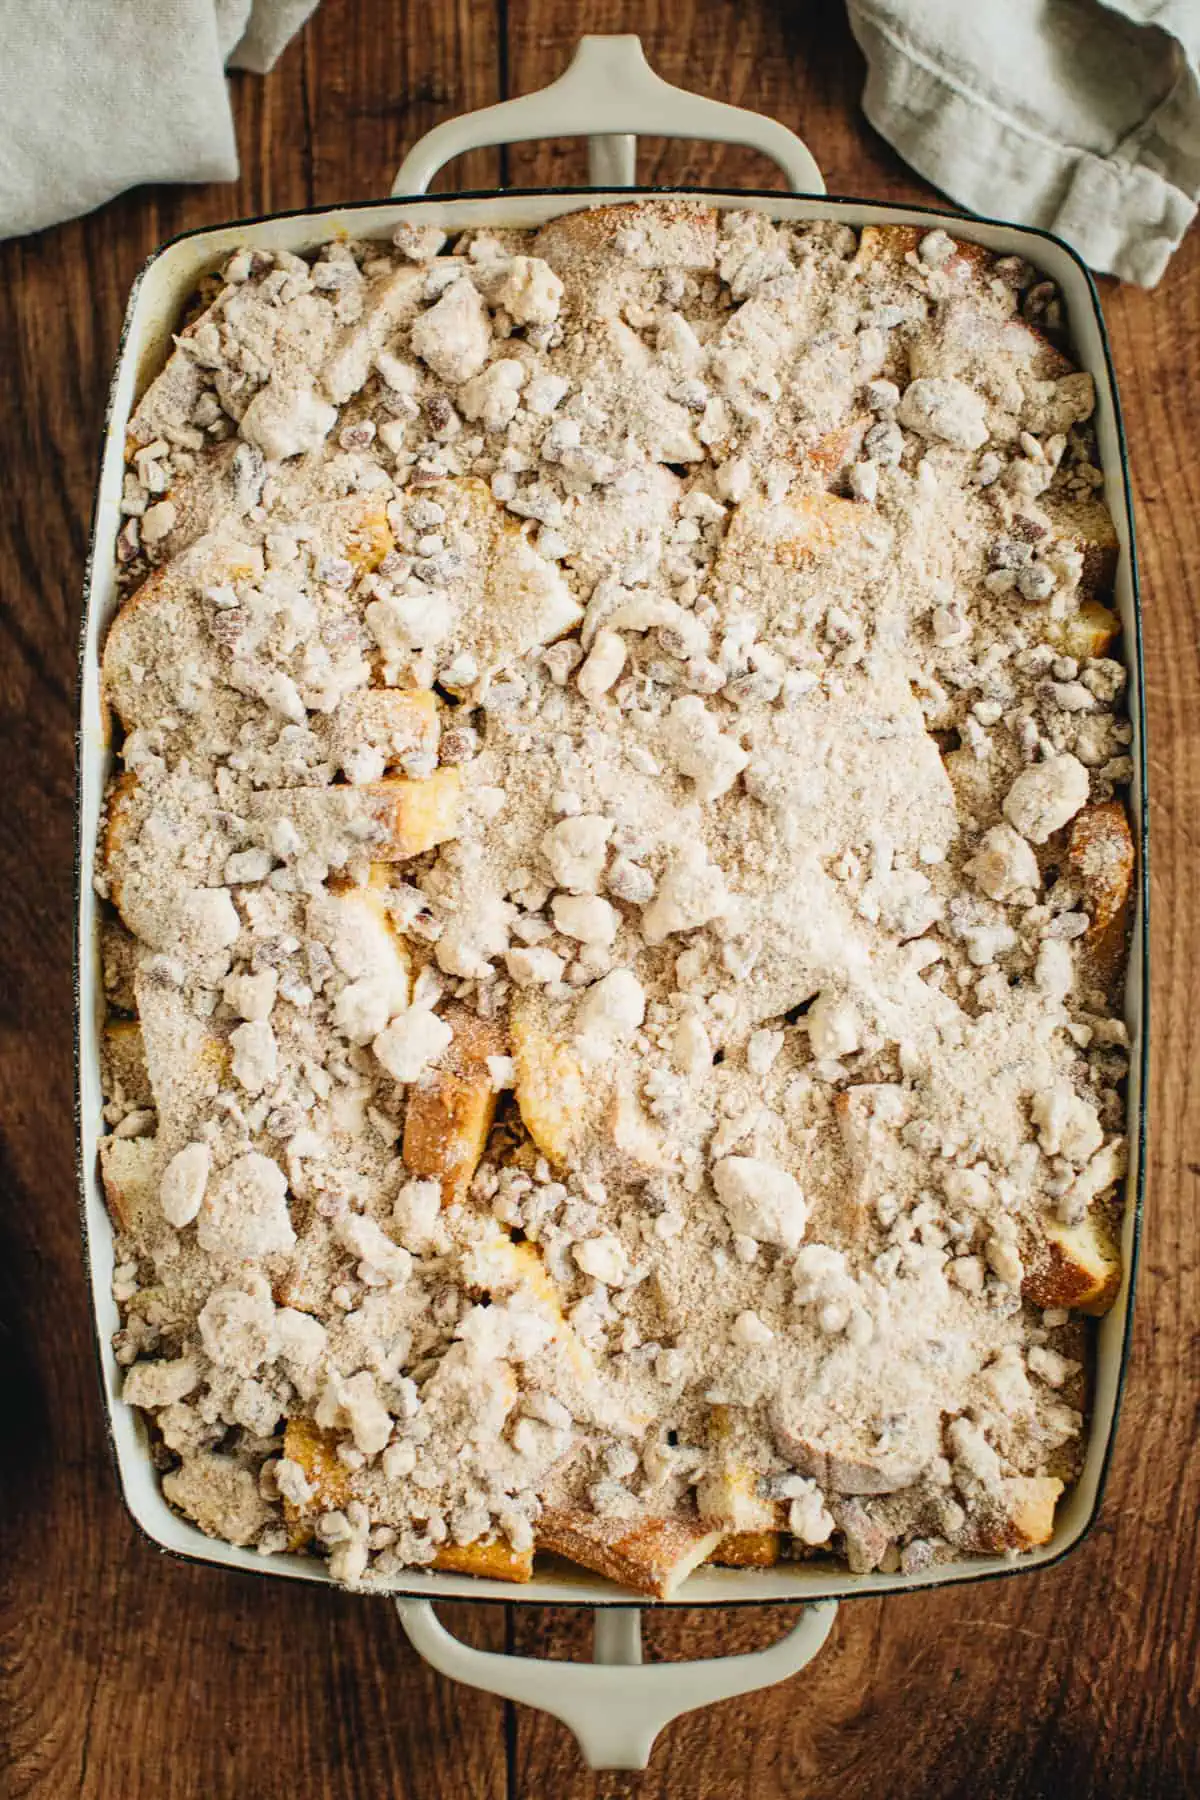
(1080, 116)
(98, 95)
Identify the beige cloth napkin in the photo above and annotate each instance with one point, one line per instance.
(98, 95)
(1081, 116)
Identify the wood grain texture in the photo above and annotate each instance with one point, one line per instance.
(123, 1673)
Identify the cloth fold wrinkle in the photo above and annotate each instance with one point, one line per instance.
(104, 94)
(1081, 117)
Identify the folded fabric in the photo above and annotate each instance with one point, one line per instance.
(1080, 116)
(99, 95)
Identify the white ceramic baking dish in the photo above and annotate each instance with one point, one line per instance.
(614, 1705)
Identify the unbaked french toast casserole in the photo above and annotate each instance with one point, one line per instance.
(617, 892)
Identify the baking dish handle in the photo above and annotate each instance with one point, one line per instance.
(616, 1705)
(608, 94)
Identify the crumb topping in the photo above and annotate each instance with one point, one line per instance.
(618, 887)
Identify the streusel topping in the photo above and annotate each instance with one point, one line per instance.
(619, 881)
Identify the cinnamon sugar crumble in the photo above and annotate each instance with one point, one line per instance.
(634, 681)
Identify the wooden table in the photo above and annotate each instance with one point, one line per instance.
(125, 1676)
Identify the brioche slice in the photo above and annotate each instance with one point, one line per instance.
(652, 1556)
(1086, 524)
(119, 953)
(652, 234)
(218, 1495)
(528, 603)
(120, 827)
(161, 656)
(315, 1452)
(610, 533)
(356, 528)
(831, 454)
(171, 396)
(414, 816)
(973, 324)
(869, 1116)
(506, 599)
(391, 301)
(635, 1142)
(851, 1469)
(214, 495)
(791, 534)
(358, 928)
(503, 1268)
(728, 1494)
(142, 683)
(211, 501)
(891, 246)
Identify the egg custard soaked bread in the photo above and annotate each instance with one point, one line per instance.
(619, 887)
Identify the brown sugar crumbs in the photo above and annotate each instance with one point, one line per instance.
(619, 882)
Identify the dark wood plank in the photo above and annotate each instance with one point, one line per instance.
(380, 76)
(123, 1672)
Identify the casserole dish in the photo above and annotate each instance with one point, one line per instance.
(608, 93)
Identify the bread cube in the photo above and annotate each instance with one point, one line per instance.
(120, 827)
(1021, 1518)
(1086, 524)
(392, 722)
(388, 820)
(551, 1089)
(119, 953)
(1076, 1266)
(1092, 631)
(788, 534)
(451, 1109)
(892, 245)
(187, 1062)
(729, 1496)
(315, 1452)
(219, 1496)
(652, 1556)
(414, 816)
(1100, 863)
(123, 1055)
(674, 234)
(130, 1169)
(357, 529)
(747, 1550)
(832, 453)
(497, 1561)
